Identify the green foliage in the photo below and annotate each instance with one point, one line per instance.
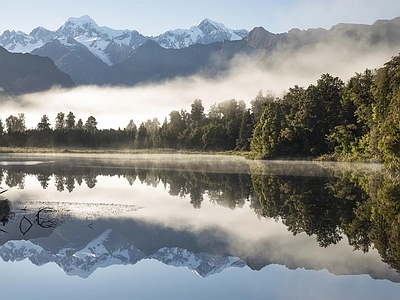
(197, 113)
(245, 132)
(389, 143)
(214, 137)
(258, 104)
(266, 135)
(359, 119)
(385, 219)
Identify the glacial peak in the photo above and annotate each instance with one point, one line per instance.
(80, 21)
(75, 27)
(208, 26)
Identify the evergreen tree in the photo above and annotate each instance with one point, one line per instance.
(60, 122)
(70, 121)
(142, 136)
(90, 125)
(43, 124)
(197, 113)
(79, 125)
(131, 130)
(245, 132)
(266, 137)
(258, 104)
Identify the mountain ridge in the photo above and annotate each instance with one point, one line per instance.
(20, 73)
(98, 38)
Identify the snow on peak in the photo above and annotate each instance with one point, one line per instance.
(81, 21)
(79, 26)
(208, 26)
(204, 32)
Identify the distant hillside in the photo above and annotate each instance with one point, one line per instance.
(26, 73)
(74, 59)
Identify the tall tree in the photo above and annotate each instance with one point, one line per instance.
(197, 112)
(258, 103)
(131, 130)
(266, 137)
(90, 125)
(245, 132)
(142, 136)
(43, 124)
(70, 121)
(16, 124)
(59, 121)
(79, 124)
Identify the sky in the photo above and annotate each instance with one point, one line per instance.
(153, 17)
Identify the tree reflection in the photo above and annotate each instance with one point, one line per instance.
(15, 179)
(43, 180)
(385, 218)
(5, 211)
(363, 206)
(90, 180)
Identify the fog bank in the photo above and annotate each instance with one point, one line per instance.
(113, 107)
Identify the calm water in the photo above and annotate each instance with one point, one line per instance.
(196, 227)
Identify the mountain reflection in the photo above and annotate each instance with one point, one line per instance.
(359, 205)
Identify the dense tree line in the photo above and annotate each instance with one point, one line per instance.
(357, 119)
(227, 126)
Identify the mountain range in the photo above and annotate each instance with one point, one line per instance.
(93, 54)
(113, 46)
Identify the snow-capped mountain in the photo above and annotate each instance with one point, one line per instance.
(112, 248)
(20, 42)
(205, 32)
(113, 46)
(101, 41)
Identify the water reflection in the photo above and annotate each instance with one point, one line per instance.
(99, 215)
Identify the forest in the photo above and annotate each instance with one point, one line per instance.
(356, 120)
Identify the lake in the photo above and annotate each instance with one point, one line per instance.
(180, 226)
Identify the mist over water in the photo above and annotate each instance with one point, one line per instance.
(113, 107)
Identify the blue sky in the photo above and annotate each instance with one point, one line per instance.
(152, 17)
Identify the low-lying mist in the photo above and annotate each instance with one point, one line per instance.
(113, 107)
